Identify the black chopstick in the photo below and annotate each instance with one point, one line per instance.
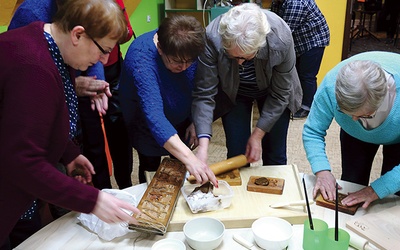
(308, 206)
(336, 214)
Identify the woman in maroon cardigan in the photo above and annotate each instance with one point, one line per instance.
(38, 111)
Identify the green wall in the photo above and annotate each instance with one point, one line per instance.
(139, 22)
(3, 28)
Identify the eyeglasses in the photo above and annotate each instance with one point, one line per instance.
(103, 51)
(240, 57)
(367, 116)
(371, 116)
(174, 62)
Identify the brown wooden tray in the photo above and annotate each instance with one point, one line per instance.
(275, 185)
(232, 177)
(158, 202)
(320, 201)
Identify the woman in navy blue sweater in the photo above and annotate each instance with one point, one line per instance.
(156, 95)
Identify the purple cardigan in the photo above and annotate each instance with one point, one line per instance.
(34, 129)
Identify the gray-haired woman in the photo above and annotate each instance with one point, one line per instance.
(249, 58)
(360, 93)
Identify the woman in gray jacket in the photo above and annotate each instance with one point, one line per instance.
(249, 58)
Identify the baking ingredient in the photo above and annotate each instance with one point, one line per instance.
(202, 199)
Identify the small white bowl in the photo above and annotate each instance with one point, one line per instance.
(169, 244)
(272, 233)
(204, 233)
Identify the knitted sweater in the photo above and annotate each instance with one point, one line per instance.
(153, 99)
(34, 128)
(324, 109)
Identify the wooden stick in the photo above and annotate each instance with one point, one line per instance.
(336, 214)
(106, 148)
(308, 206)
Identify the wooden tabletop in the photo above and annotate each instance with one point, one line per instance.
(67, 233)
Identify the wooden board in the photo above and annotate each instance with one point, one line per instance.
(247, 206)
(381, 228)
(158, 202)
(232, 177)
(275, 185)
(320, 201)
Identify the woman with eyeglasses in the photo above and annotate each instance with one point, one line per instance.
(44, 10)
(97, 90)
(249, 59)
(361, 94)
(156, 95)
(39, 112)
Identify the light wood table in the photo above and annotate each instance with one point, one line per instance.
(67, 233)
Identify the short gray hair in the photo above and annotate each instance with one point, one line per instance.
(360, 85)
(245, 26)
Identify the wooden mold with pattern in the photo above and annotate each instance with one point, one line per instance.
(159, 200)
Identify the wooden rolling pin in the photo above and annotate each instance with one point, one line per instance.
(225, 166)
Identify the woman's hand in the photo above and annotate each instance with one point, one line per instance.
(191, 137)
(90, 86)
(254, 146)
(196, 166)
(109, 209)
(97, 90)
(201, 171)
(100, 102)
(81, 169)
(365, 195)
(202, 150)
(326, 185)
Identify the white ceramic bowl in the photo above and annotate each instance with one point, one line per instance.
(169, 244)
(272, 233)
(204, 233)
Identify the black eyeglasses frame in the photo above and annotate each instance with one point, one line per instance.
(103, 51)
(173, 62)
(359, 117)
(239, 57)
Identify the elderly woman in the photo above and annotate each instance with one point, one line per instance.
(249, 58)
(156, 94)
(39, 111)
(89, 87)
(361, 94)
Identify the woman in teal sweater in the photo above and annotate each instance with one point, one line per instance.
(360, 93)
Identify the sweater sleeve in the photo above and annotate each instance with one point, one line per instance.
(317, 124)
(23, 17)
(97, 70)
(388, 183)
(42, 138)
(206, 82)
(35, 124)
(143, 70)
